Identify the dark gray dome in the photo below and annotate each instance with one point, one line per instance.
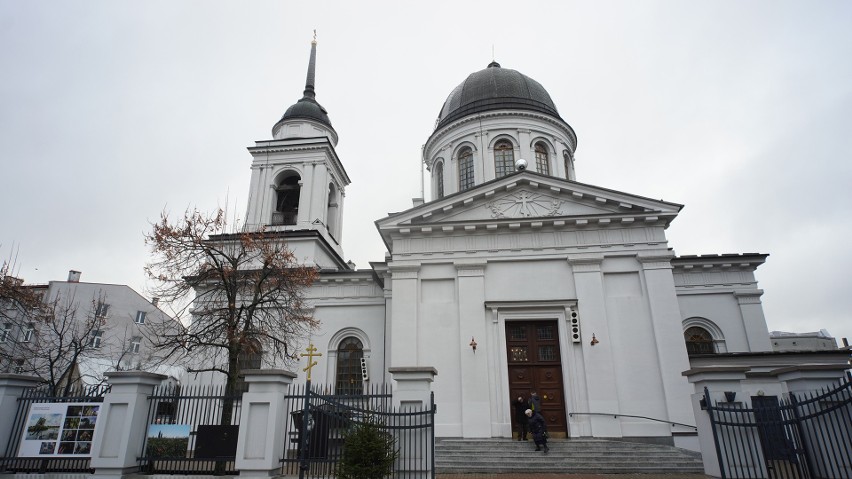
(496, 88)
(307, 108)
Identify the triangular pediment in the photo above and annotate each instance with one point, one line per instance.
(528, 196)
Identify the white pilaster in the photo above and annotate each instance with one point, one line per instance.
(475, 386)
(668, 334)
(600, 370)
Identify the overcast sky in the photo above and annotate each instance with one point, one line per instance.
(111, 112)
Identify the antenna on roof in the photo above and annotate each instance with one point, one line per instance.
(492, 52)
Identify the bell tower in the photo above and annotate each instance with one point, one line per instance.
(298, 183)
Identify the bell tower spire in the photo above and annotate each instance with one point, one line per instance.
(312, 66)
(298, 182)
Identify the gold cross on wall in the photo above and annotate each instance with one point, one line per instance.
(312, 353)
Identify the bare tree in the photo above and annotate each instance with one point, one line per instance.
(45, 337)
(247, 293)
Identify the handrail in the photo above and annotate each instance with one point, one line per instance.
(616, 415)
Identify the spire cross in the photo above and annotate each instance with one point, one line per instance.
(312, 352)
(315, 37)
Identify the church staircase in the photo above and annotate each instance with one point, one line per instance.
(587, 456)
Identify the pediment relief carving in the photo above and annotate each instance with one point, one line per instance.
(524, 204)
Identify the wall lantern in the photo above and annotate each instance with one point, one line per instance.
(473, 344)
(594, 340)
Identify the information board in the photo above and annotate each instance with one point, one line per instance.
(59, 430)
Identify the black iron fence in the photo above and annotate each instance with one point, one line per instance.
(802, 436)
(192, 430)
(319, 422)
(11, 463)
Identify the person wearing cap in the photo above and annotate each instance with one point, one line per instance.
(538, 429)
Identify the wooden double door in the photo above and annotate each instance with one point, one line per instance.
(534, 360)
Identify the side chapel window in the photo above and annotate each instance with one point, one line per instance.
(349, 380)
(287, 194)
(504, 158)
(541, 160)
(698, 341)
(465, 169)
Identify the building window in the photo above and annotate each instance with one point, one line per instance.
(698, 341)
(349, 378)
(567, 158)
(102, 310)
(19, 366)
(140, 317)
(95, 339)
(6, 332)
(465, 169)
(504, 158)
(439, 179)
(29, 330)
(287, 194)
(541, 160)
(135, 344)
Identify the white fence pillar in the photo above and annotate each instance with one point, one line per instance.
(414, 393)
(12, 386)
(122, 424)
(261, 442)
(718, 380)
(811, 377)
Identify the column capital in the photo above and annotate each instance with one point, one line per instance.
(748, 297)
(470, 268)
(586, 263)
(655, 259)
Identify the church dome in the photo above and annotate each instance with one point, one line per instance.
(306, 109)
(495, 88)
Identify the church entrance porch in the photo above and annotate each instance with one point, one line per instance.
(534, 364)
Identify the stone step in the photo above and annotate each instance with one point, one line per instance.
(495, 455)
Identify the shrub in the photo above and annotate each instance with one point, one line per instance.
(368, 452)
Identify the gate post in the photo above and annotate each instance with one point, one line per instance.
(414, 394)
(260, 445)
(123, 422)
(718, 380)
(11, 388)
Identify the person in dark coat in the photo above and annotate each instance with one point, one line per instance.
(538, 429)
(520, 417)
(535, 402)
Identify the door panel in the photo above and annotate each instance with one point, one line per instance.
(533, 353)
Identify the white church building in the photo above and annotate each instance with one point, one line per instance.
(516, 277)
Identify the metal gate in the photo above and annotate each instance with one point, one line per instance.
(804, 436)
(318, 422)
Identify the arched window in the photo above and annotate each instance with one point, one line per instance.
(567, 157)
(541, 163)
(504, 158)
(287, 193)
(439, 179)
(698, 341)
(465, 169)
(349, 379)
